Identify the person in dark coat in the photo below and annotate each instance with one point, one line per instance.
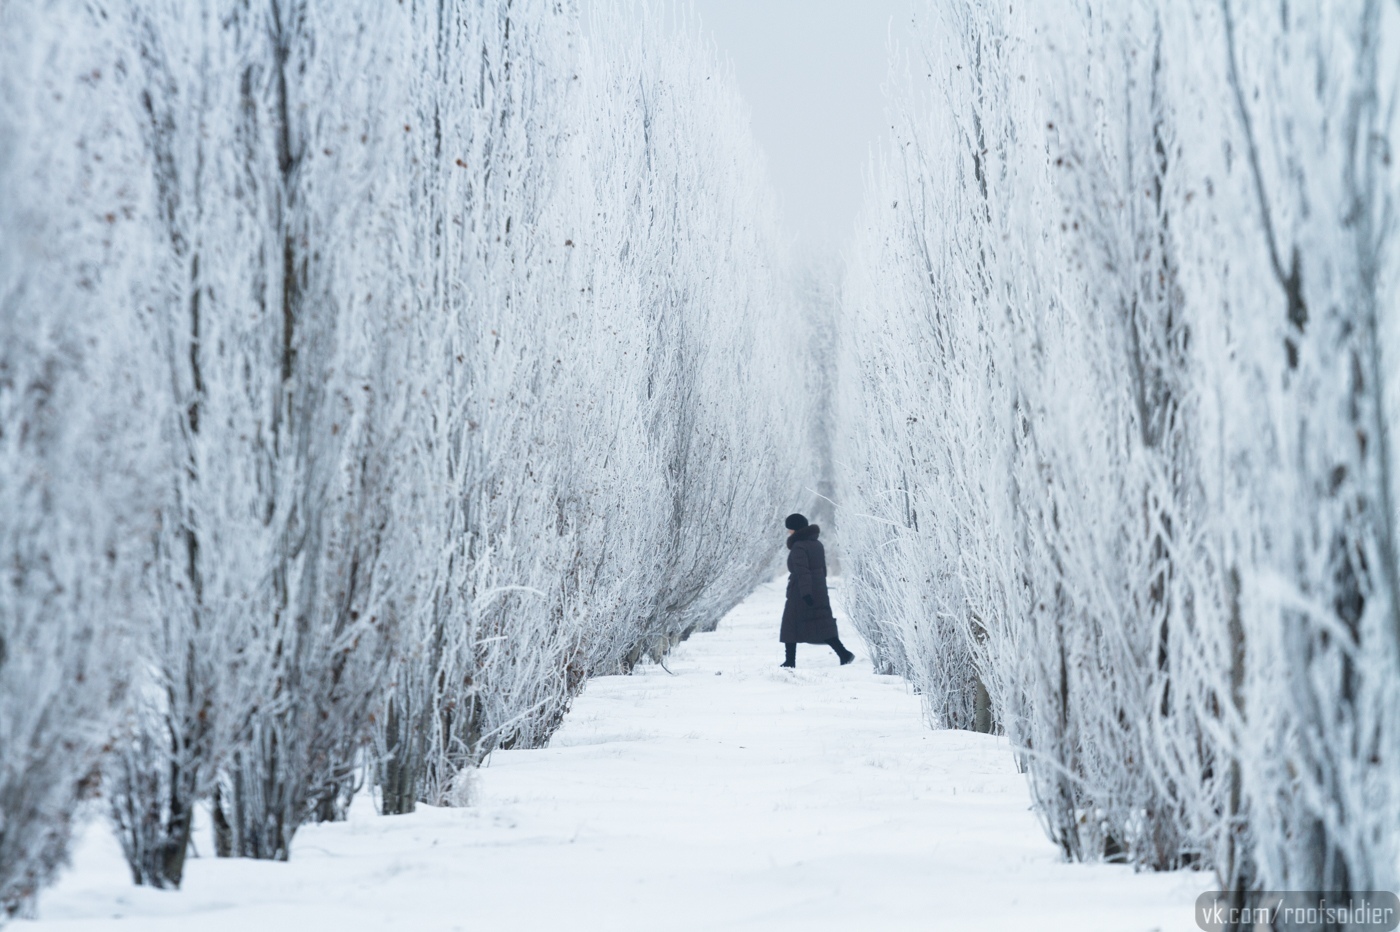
(807, 617)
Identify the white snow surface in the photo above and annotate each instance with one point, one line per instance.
(727, 794)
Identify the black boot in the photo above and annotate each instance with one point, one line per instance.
(845, 655)
(790, 649)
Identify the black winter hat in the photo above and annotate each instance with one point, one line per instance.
(795, 522)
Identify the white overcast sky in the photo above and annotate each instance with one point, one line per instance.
(812, 72)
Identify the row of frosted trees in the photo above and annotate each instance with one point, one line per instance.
(370, 376)
(1121, 372)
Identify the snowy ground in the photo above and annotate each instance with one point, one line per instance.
(729, 796)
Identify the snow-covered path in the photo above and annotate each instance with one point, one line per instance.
(729, 796)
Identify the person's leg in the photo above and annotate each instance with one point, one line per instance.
(790, 650)
(845, 655)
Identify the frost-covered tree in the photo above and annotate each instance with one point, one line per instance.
(77, 505)
(310, 124)
(398, 367)
(1307, 416)
(263, 127)
(1118, 422)
(482, 129)
(587, 492)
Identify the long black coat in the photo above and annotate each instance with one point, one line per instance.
(806, 562)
